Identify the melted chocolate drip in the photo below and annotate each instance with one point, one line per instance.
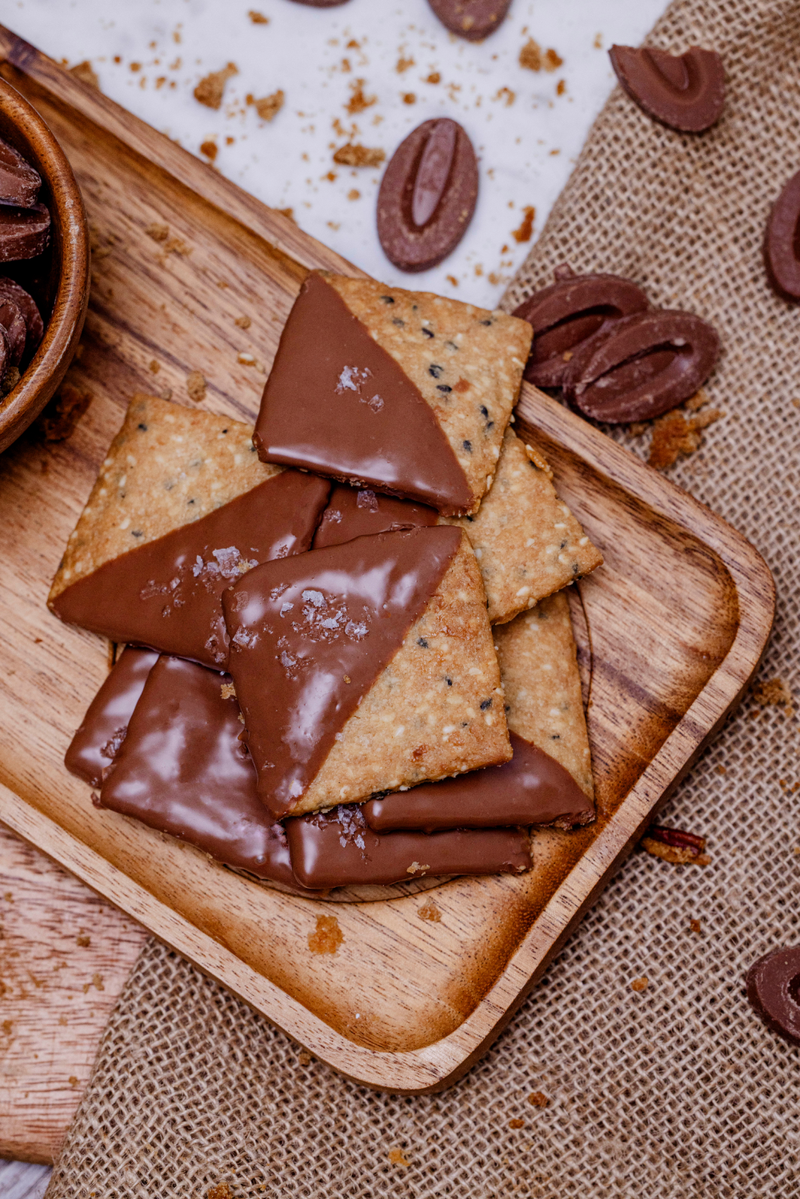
(166, 594)
(337, 848)
(530, 789)
(309, 637)
(337, 403)
(351, 513)
(183, 770)
(105, 724)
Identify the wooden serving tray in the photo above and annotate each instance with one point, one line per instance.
(678, 619)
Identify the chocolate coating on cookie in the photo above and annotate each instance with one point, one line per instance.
(427, 195)
(684, 92)
(471, 19)
(641, 366)
(103, 728)
(567, 313)
(773, 988)
(782, 243)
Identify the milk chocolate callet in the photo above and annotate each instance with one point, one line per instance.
(773, 988)
(309, 637)
(24, 232)
(105, 724)
(183, 770)
(427, 195)
(337, 403)
(568, 312)
(684, 91)
(530, 789)
(782, 244)
(471, 19)
(352, 513)
(641, 366)
(337, 848)
(19, 181)
(11, 290)
(166, 594)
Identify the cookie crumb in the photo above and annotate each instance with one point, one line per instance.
(358, 101)
(83, 940)
(403, 64)
(73, 1081)
(676, 434)
(86, 73)
(268, 107)
(304, 1059)
(773, 692)
(210, 149)
(211, 88)
(243, 322)
(525, 230)
(196, 387)
(538, 1099)
(257, 18)
(429, 911)
(220, 1191)
(695, 926)
(62, 414)
(350, 155)
(640, 984)
(327, 937)
(517, 1123)
(157, 231)
(398, 1158)
(288, 213)
(154, 367)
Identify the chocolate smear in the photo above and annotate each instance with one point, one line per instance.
(641, 366)
(337, 848)
(346, 409)
(352, 513)
(309, 637)
(530, 789)
(105, 724)
(567, 313)
(427, 195)
(166, 594)
(685, 92)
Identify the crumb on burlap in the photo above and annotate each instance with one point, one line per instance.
(304, 1059)
(351, 155)
(676, 434)
(678, 855)
(776, 692)
(398, 1158)
(640, 984)
(85, 72)
(221, 1191)
(429, 911)
(257, 18)
(327, 936)
(157, 231)
(538, 1099)
(268, 107)
(695, 926)
(516, 1123)
(196, 387)
(358, 101)
(62, 414)
(211, 88)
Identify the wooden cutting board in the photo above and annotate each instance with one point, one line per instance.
(676, 620)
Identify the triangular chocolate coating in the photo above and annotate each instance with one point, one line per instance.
(166, 594)
(309, 638)
(103, 728)
(337, 403)
(182, 770)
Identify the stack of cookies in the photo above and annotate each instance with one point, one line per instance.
(349, 654)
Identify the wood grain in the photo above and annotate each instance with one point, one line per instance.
(678, 617)
(64, 957)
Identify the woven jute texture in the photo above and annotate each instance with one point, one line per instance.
(673, 1091)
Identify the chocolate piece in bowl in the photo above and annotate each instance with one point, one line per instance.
(15, 328)
(24, 232)
(182, 769)
(405, 392)
(181, 509)
(686, 91)
(641, 366)
(566, 314)
(365, 667)
(781, 243)
(773, 988)
(337, 849)
(427, 195)
(103, 728)
(19, 181)
(471, 19)
(549, 779)
(34, 325)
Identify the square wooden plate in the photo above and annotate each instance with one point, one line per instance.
(675, 624)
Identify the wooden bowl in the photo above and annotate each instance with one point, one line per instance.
(63, 287)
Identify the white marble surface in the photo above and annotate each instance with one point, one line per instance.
(526, 148)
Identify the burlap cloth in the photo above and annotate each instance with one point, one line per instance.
(675, 1091)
